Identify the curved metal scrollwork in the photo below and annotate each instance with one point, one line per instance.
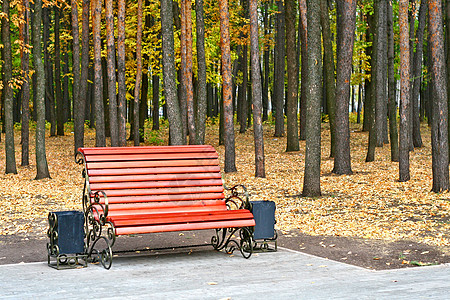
(100, 233)
(225, 239)
(238, 198)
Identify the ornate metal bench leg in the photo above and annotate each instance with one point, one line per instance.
(225, 239)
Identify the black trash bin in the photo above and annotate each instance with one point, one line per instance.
(66, 234)
(264, 215)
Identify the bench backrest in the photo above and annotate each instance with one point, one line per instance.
(163, 178)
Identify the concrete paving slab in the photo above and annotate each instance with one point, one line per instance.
(214, 275)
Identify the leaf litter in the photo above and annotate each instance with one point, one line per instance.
(369, 204)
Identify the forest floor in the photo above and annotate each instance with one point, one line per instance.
(367, 218)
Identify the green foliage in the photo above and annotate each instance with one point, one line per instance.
(155, 137)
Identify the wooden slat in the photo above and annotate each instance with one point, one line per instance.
(166, 198)
(183, 209)
(183, 218)
(149, 156)
(159, 177)
(185, 227)
(154, 184)
(147, 149)
(167, 204)
(146, 171)
(151, 164)
(165, 191)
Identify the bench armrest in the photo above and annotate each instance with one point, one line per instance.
(105, 207)
(239, 198)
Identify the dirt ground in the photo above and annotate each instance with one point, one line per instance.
(370, 254)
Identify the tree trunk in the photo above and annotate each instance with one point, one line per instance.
(439, 130)
(48, 66)
(78, 112)
(242, 100)
(265, 93)
(417, 75)
(41, 158)
(121, 96)
(230, 156)
(201, 73)
(58, 92)
(188, 76)
(111, 78)
(292, 72)
(256, 87)
(311, 182)
(303, 27)
(404, 92)
(169, 77)
(83, 87)
(155, 102)
(279, 71)
(100, 139)
(7, 77)
(330, 81)
(347, 13)
(380, 71)
(25, 132)
(66, 71)
(392, 105)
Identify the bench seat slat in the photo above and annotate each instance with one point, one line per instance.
(154, 184)
(152, 163)
(165, 198)
(184, 227)
(183, 209)
(148, 149)
(159, 177)
(166, 204)
(149, 157)
(166, 191)
(147, 171)
(183, 218)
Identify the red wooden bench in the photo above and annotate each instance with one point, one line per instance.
(136, 190)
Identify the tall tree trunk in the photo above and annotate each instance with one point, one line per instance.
(230, 156)
(280, 70)
(439, 129)
(25, 132)
(330, 81)
(83, 86)
(347, 13)
(265, 93)
(58, 92)
(303, 27)
(137, 87)
(100, 138)
(392, 105)
(311, 182)
(257, 95)
(381, 70)
(111, 67)
(169, 77)
(121, 96)
(78, 112)
(371, 95)
(243, 90)
(39, 93)
(201, 73)
(292, 72)
(417, 75)
(404, 92)
(66, 72)
(155, 102)
(48, 66)
(188, 75)
(7, 77)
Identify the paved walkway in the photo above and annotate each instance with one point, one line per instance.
(213, 275)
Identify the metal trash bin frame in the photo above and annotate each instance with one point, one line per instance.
(265, 234)
(61, 252)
